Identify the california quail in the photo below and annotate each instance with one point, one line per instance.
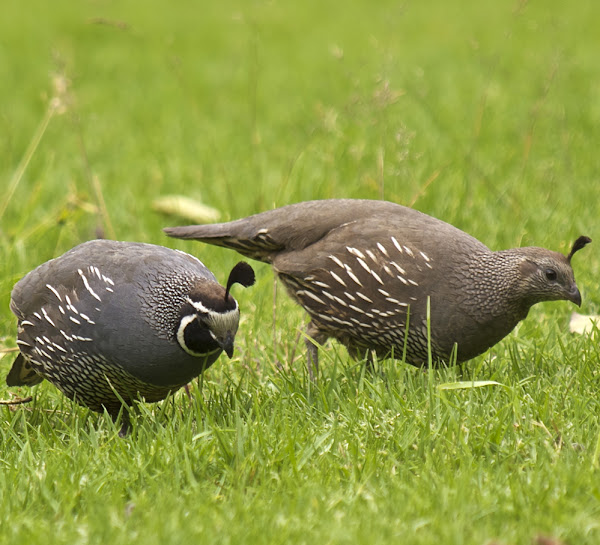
(364, 270)
(111, 321)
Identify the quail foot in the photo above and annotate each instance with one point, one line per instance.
(378, 276)
(109, 322)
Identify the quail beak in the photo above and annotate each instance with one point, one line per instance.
(574, 296)
(227, 345)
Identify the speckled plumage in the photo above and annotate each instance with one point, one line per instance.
(104, 318)
(364, 269)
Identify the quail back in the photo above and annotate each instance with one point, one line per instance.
(382, 277)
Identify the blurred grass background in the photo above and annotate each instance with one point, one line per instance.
(483, 114)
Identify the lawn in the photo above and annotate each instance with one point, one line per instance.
(485, 115)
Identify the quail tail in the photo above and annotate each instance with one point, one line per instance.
(22, 374)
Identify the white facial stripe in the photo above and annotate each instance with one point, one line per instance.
(204, 310)
(185, 321)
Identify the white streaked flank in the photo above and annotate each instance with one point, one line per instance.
(341, 322)
(53, 290)
(377, 277)
(65, 335)
(87, 285)
(338, 278)
(336, 260)
(397, 245)
(364, 297)
(340, 301)
(86, 318)
(363, 264)
(382, 249)
(353, 276)
(70, 305)
(48, 319)
(312, 296)
(355, 252)
(397, 267)
(396, 302)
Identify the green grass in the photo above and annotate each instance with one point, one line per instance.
(483, 114)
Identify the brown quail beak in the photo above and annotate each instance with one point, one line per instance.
(574, 296)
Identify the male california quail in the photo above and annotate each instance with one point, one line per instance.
(111, 321)
(363, 270)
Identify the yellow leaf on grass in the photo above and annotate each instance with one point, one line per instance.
(466, 384)
(186, 208)
(583, 323)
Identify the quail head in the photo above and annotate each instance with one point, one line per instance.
(113, 321)
(378, 276)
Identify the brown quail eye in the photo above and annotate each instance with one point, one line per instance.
(551, 275)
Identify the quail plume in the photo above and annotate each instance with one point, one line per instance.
(370, 273)
(114, 321)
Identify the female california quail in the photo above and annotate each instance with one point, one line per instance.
(364, 270)
(111, 321)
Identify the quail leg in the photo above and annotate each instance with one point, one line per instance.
(369, 363)
(314, 335)
(125, 421)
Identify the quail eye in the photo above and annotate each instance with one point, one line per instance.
(551, 275)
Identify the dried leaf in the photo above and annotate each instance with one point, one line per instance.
(16, 400)
(467, 384)
(583, 324)
(186, 208)
(547, 540)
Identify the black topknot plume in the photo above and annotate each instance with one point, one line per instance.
(580, 243)
(243, 274)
